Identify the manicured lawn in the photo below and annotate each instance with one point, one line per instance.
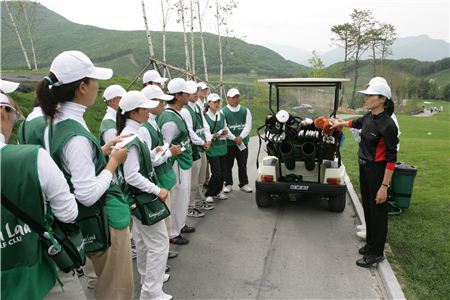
(419, 238)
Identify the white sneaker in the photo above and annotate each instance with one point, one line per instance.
(209, 199)
(361, 227)
(195, 213)
(167, 296)
(166, 277)
(246, 188)
(222, 196)
(227, 189)
(361, 234)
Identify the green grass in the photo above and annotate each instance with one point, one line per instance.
(419, 237)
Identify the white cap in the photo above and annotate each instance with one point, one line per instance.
(113, 91)
(213, 97)
(153, 76)
(192, 85)
(4, 100)
(378, 89)
(178, 85)
(233, 92)
(377, 80)
(70, 66)
(202, 85)
(154, 92)
(8, 86)
(134, 99)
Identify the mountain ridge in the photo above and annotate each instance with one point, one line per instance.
(127, 51)
(420, 47)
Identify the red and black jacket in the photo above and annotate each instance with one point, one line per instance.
(378, 138)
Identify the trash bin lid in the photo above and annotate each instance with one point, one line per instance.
(403, 168)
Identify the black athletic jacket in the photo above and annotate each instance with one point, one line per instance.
(378, 138)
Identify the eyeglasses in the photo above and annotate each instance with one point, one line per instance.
(17, 115)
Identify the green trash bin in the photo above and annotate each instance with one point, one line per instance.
(402, 184)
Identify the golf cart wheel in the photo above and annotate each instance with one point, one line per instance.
(263, 199)
(337, 203)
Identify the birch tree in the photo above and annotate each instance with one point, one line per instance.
(19, 38)
(202, 41)
(165, 9)
(180, 7)
(222, 9)
(30, 36)
(192, 37)
(149, 35)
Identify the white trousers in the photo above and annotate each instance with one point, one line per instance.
(180, 199)
(152, 247)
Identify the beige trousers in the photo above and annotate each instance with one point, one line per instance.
(198, 175)
(114, 268)
(72, 289)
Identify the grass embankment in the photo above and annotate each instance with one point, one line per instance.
(419, 237)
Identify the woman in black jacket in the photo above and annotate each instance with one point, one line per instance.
(377, 155)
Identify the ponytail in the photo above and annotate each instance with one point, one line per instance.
(389, 106)
(50, 95)
(45, 97)
(121, 120)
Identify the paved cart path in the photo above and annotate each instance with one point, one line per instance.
(295, 250)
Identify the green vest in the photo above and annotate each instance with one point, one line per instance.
(218, 147)
(117, 208)
(26, 272)
(164, 172)
(32, 132)
(145, 163)
(197, 124)
(104, 126)
(184, 158)
(235, 122)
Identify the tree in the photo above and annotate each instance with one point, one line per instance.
(361, 24)
(343, 40)
(222, 10)
(30, 22)
(202, 41)
(19, 38)
(446, 92)
(318, 67)
(387, 36)
(191, 23)
(180, 7)
(149, 35)
(374, 40)
(165, 13)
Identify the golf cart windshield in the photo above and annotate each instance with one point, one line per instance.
(305, 97)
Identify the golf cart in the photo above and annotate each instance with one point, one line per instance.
(302, 151)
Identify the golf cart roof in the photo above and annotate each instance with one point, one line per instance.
(304, 81)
